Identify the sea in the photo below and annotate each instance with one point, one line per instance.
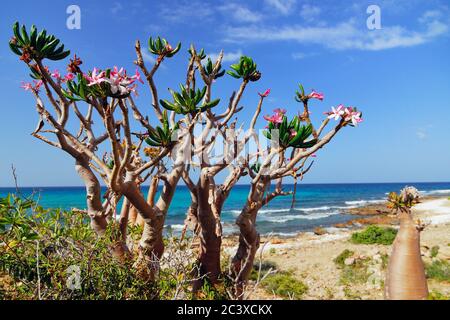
(316, 205)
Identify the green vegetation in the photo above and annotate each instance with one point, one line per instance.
(374, 235)
(438, 270)
(55, 254)
(436, 295)
(434, 251)
(356, 272)
(284, 284)
(340, 259)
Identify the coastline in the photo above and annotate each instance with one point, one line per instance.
(309, 255)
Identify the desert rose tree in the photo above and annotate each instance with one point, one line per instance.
(81, 96)
(405, 276)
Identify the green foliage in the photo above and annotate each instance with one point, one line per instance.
(34, 45)
(284, 284)
(300, 95)
(436, 295)
(434, 251)
(188, 101)
(438, 270)
(245, 69)
(58, 241)
(209, 67)
(162, 137)
(286, 130)
(161, 47)
(357, 272)
(340, 259)
(374, 235)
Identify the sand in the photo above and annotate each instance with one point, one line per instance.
(310, 257)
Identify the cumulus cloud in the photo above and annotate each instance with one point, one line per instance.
(345, 35)
(282, 6)
(231, 56)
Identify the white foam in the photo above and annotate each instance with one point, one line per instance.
(363, 202)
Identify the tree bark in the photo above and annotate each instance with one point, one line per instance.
(94, 204)
(405, 278)
(210, 232)
(249, 238)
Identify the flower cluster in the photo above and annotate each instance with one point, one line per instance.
(277, 117)
(57, 75)
(315, 95)
(119, 82)
(349, 114)
(35, 86)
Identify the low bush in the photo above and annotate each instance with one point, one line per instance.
(340, 259)
(438, 270)
(374, 235)
(285, 285)
(54, 254)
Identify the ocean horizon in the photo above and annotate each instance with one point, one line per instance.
(316, 205)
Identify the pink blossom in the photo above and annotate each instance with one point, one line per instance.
(336, 113)
(265, 94)
(69, 76)
(276, 118)
(353, 116)
(55, 74)
(26, 86)
(314, 155)
(137, 76)
(315, 95)
(36, 86)
(96, 77)
(280, 111)
(293, 133)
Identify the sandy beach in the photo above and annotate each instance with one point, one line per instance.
(309, 256)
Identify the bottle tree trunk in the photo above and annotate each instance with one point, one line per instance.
(249, 238)
(210, 233)
(405, 278)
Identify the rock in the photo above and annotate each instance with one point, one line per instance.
(349, 261)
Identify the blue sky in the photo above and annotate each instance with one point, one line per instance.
(399, 75)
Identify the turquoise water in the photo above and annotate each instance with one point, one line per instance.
(317, 204)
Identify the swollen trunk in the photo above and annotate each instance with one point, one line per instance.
(405, 279)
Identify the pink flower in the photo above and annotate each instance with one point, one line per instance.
(36, 86)
(55, 74)
(293, 133)
(26, 86)
(137, 76)
(314, 155)
(336, 113)
(276, 118)
(280, 111)
(96, 77)
(315, 95)
(265, 94)
(69, 76)
(353, 116)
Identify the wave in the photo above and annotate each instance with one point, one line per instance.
(442, 191)
(363, 202)
(175, 226)
(286, 218)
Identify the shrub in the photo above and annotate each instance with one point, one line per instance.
(62, 244)
(340, 259)
(284, 284)
(374, 235)
(438, 270)
(434, 251)
(436, 295)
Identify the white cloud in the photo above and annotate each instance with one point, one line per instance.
(309, 12)
(116, 7)
(421, 134)
(147, 56)
(283, 6)
(227, 56)
(240, 13)
(301, 55)
(185, 11)
(344, 35)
